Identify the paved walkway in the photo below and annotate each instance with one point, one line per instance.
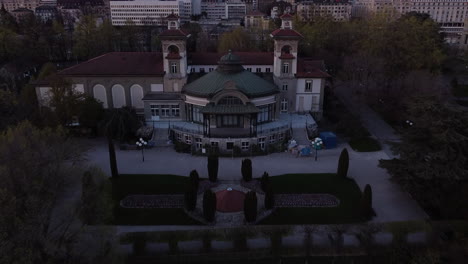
(371, 120)
(390, 202)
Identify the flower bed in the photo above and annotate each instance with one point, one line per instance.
(153, 201)
(306, 200)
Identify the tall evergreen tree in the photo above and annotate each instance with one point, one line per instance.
(343, 164)
(213, 163)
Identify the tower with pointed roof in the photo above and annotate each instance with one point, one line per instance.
(174, 49)
(286, 41)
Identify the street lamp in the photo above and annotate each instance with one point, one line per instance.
(409, 122)
(141, 143)
(317, 144)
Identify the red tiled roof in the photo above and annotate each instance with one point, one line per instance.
(285, 33)
(172, 16)
(286, 56)
(173, 56)
(287, 15)
(119, 63)
(247, 58)
(309, 68)
(174, 33)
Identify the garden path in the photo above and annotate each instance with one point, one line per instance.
(390, 202)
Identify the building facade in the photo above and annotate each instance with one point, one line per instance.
(224, 100)
(450, 14)
(148, 12)
(11, 5)
(339, 10)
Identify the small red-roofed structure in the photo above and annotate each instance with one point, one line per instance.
(230, 201)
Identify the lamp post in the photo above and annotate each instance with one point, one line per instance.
(141, 143)
(409, 122)
(317, 144)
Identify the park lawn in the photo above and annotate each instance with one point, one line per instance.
(128, 184)
(346, 190)
(365, 144)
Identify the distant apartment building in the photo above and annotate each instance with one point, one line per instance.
(11, 5)
(46, 12)
(256, 20)
(148, 12)
(450, 14)
(339, 10)
(48, 2)
(230, 9)
(22, 13)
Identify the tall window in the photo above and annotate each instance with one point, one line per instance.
(197, 116)
(249, 69)
(173, 67)
(285, 87)
(258, 70)
(245, 145)
(285, 67)
(267, 70)
(261, 142)
(284, 105)
(308, 86)
(175, 110)
(165, 110)
(265, 114)
(154, 110)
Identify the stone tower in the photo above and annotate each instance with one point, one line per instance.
(174, 48)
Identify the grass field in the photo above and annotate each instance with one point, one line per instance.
(346, 190)
(366, 144)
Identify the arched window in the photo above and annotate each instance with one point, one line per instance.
(286, 49)
(230, 100)
(136, 93)
(173, 49)
(118, 96)
(99, 93)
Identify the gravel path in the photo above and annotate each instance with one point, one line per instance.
(306, 200)
(153, 201)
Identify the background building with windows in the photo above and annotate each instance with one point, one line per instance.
(339, 10)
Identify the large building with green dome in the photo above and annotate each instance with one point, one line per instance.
(225, 100)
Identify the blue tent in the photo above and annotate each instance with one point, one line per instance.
(329, 139)
(305, 151)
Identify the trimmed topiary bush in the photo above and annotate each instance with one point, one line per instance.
(246, 170)
(269, 197)
(190, 198)
(209, 205)
(366, 202)
(343, 164)
(112, 158)
(213, 163)
(265, 181)
(194, 179)
(250, 206)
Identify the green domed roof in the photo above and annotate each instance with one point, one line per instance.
(230, 59)
(244, 81)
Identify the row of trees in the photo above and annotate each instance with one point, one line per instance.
(432, 163)
(40, 220)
